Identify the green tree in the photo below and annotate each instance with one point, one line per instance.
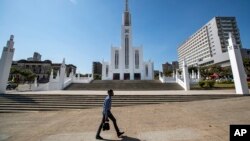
(246, 63)
(168, 73)
(205, 72)
(28, 75)
(97, 77)
(15, 73)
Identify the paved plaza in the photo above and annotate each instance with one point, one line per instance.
(207, 120)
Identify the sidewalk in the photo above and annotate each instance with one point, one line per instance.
(186, 121)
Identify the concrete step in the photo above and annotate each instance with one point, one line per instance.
(126, 81)
(56, 101)
(125, 85)
(40, 102)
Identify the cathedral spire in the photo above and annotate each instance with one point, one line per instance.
(126, 7)
(126, 16)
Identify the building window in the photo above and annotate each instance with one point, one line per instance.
(126, 52)
(146, 69)
(116, 59)
(107, 70)
(137, 59)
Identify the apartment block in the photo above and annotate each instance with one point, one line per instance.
(209, 44)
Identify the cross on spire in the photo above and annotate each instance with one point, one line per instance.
(126, 5)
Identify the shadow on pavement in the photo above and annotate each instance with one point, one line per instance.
(19, 98)
(124, 138)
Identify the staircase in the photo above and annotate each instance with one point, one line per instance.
(124, 85)
(43, 102)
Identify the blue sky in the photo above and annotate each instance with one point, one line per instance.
(82, 31)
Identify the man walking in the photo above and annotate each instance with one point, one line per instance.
(107, 114)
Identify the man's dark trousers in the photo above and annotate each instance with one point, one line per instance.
(110, 116)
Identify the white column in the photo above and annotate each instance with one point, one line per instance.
(62, 74)
(185, 75)
(57, 76)
(103, 70)
(132, 76)
(177, 74)
(51, 75)
(239, 73)
(193, 75)
(5, 64)
(121, 76)
(35, 82)
(198, 73)
(78, 76)
(71, 75)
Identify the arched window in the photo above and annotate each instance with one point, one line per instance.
(126, 52)
(116, 59)
(146, 69)
(107, 70)
(137, 59)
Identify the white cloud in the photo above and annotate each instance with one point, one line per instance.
(73, 1)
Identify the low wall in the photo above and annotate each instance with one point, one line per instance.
(82, 80)
(165, 79)
(54, 84)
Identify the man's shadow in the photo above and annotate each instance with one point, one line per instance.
(124, 138)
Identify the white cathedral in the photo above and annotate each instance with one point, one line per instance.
(127, 62)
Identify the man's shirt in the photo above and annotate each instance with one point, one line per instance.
(107, 105)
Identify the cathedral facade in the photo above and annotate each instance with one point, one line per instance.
(127, 61)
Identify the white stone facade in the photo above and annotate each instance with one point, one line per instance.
(240, 77)
(127, 61)
(5, 63)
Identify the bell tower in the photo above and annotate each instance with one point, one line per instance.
(126, 38)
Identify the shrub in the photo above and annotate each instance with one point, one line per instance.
(207, 83)
(210, 83)
(201, 84)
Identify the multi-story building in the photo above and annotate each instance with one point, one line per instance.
(69, 68)
(167, 67)
(36, 57)
(209, 44)
(175, 65)
(97, 68)
(41, 69)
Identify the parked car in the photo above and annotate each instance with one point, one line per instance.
(11, 86)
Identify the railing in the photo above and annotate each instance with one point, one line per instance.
(181, 83)
(67, 82)
(165, 79)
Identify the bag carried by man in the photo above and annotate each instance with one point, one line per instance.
(105, 126)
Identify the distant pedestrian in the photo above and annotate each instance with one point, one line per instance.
(108, 115)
